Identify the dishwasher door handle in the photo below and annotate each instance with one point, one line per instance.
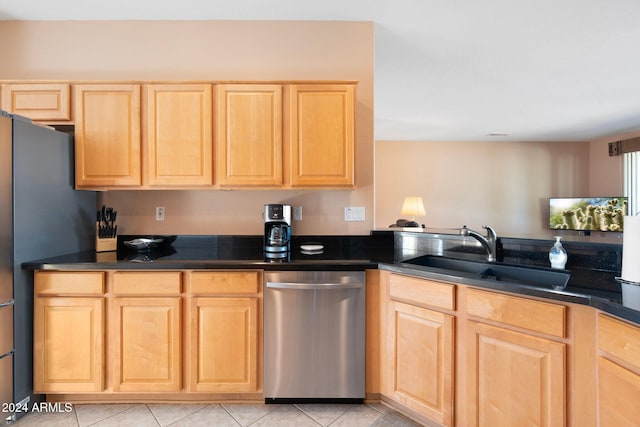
(314, 286)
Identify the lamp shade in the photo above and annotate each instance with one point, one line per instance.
(413, 207)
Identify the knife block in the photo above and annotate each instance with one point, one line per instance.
(106, 244)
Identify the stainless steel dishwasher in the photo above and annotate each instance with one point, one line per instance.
(314, 336)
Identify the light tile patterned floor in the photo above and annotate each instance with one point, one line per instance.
(218, 415)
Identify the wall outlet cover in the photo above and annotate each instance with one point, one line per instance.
(160, 214)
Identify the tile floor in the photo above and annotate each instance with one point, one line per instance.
(218, 415)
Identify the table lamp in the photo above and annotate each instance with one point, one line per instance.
(412, 207)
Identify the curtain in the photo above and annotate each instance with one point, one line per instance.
(631, 183)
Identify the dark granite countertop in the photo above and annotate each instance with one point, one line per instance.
(109, 261)
(607, 301)
(340, 253)
(221, 252)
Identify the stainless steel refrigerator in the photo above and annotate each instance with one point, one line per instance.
(41, 215)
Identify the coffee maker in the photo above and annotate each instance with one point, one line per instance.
(277, 232)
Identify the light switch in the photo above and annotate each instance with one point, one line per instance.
(354, 214)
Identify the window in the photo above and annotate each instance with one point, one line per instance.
(631, 181)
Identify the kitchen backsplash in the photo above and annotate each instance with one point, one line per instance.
(592, 265)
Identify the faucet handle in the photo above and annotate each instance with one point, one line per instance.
(490, 231)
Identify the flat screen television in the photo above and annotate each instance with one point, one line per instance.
(587, 213)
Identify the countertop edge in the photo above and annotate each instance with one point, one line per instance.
(607, 306)
(203, 265)
(583, 298)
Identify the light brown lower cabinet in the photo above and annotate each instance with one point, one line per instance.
(449, 354)
(224, 340)
(455, 355)
(421, 360)
(224, 331)
(157, 332)
(514, 379)
(619, 395)
(418, 346)
(515, 357)
(618, 372)
(68, 351)
(145, 331)
(146, 344)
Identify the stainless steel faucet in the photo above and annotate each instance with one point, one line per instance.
(489, 243)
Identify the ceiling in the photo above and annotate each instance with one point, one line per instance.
(545, 70)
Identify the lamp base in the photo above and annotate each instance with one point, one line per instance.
(411, 224)
(405, 223)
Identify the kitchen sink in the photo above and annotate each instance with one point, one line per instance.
(495, 271)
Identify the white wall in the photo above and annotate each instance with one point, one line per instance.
(504, 185)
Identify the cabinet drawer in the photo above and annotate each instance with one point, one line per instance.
(524, 313)
(38, 101)
(227, 282)
(619, 339)
(422, 291)
(147, 283)
(78, 283)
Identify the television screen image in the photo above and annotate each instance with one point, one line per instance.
(587, 213)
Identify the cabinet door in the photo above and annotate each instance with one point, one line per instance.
(419, 364)
(38, 101)
(224, 345)
(618, 395)
(178, 135)
(618, 372)
(107, 135)
(249, 135)
(68, 350)
(514, 379)
(322, 135)
(146, 344)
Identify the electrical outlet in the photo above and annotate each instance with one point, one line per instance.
(159, 214)
(297, 213)
(354, 214)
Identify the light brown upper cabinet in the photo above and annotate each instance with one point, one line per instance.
(249, 135)
(302, 139)
(202, 135)
(107, 120)
(178, 137)
(322, 135)
(46, 102)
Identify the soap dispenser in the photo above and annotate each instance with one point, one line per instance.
(558, 255)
